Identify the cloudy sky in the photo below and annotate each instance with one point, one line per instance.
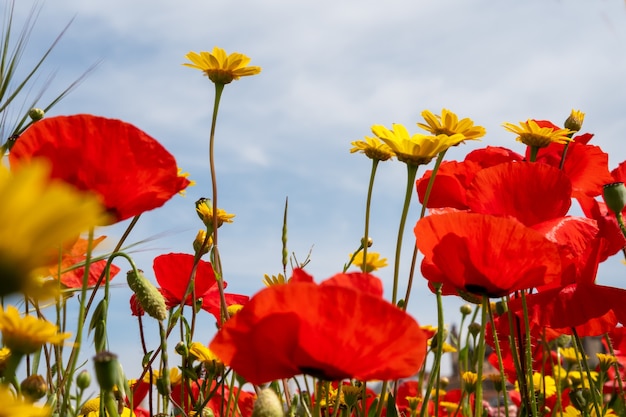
(330, 71)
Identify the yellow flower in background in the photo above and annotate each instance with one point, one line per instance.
(274, 280)
(38, 216)
(220, 67)
(91, 408)
(373, 148)
(415, 149)
(571, 411)
(543, 384)
(373, 262)
(13, 406)
(449, 124)
(531, 134)
(202, 352)
(25, 335)
(204, 209)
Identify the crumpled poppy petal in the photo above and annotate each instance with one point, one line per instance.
(173, 271)
(511, 189)
(328, 331)
(487, 255)
(130, 170)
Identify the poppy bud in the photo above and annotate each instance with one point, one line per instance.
(36, 114)
(615, 196)
(34, 387)
(474, 328)
(267, 404)
(107, 370)
(147, 294)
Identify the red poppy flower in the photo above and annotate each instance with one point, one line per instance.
(532, 193)
(173, 272)
(585, 165)
(611, 238)
(75, 256)
(592, 309)
(329, 331)
(130, 170)
(485, 255)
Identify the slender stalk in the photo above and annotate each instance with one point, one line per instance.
(429, 188)
(478, 402)
(496, 343)
(411, 173)
(219, 88)
(368, 204)
(434, 372)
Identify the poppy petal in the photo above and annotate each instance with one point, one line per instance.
(130, 170)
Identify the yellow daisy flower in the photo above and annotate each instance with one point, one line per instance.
(13, 406)
(570, 355)
(415, 149)
(373, 148)
(220, 67)
(449, 124)
(470, 380)
(25, 335)
(531, 134)
(373, 261)
(204, 209)
(91, 408)
(38, 216)
(543, 384)
(571, 411)
(274, 280)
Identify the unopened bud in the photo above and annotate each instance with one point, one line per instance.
(34, 387)
(466, 309)
(615, 196)
(575, 120)
(474, 328)
(267, 404)
(83, 380)
(199, 245)
(36, 114)
(369, 242)
(147, 294)
(107, 370)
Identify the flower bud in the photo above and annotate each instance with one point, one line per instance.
(580, 398)
(575, 120)
(474, 328)
(369, 242)
(36, 114)
(107, 369)
(198, 244)
(83, 380)
(466, 309)
(267, 404)
(147, 294)
(34, 387)
(614, 195)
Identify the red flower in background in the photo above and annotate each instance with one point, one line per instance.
(130, 170)
(329, 331)
(485, 255)
(173, 272)
(75, 256)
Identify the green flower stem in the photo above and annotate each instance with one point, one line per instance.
(533, 153)
(11, 368)
(529, 358)
(496, 343)
(514, 329)
(411, 173)
(562, 163)
(433, 378)
(368, 203)
(478, 402)
(616, 365)
(584, 365)
(82, 312)
(429, 188)
(217, 267)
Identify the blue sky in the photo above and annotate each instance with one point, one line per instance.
(330, 71)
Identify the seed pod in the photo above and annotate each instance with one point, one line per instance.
(147, 294)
